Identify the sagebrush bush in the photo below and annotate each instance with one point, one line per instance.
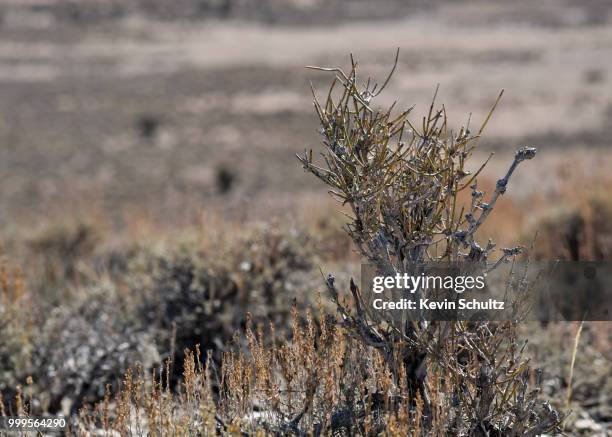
(195, 297)
(141, 303)
(86, 344)
(581, 232)
(16, 333)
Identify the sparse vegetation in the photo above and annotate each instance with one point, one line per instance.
(402, 184)
(579, 232)
(354, 373)
(161, 251)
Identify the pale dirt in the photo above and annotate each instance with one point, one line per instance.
(235, 94)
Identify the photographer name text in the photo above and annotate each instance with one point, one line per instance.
(411, 284)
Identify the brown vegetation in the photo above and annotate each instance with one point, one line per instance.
(128, 308)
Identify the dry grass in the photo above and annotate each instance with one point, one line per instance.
(321, 381)
(271, 372)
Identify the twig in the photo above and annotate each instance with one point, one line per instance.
(568, 396)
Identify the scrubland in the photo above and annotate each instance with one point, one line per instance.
(204, 327)
(162, 250)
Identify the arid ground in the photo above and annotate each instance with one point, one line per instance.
(144, 113)
(142, 121)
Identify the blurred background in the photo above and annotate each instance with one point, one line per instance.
(147, 156)
(162, 108)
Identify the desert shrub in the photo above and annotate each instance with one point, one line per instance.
(196, 297)
(69, 352)
(225, 179)
(402, 184)
(148, 126)
(16, 334)
(86, 344)
(59, 255)
(140, 303)
(581, 232)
